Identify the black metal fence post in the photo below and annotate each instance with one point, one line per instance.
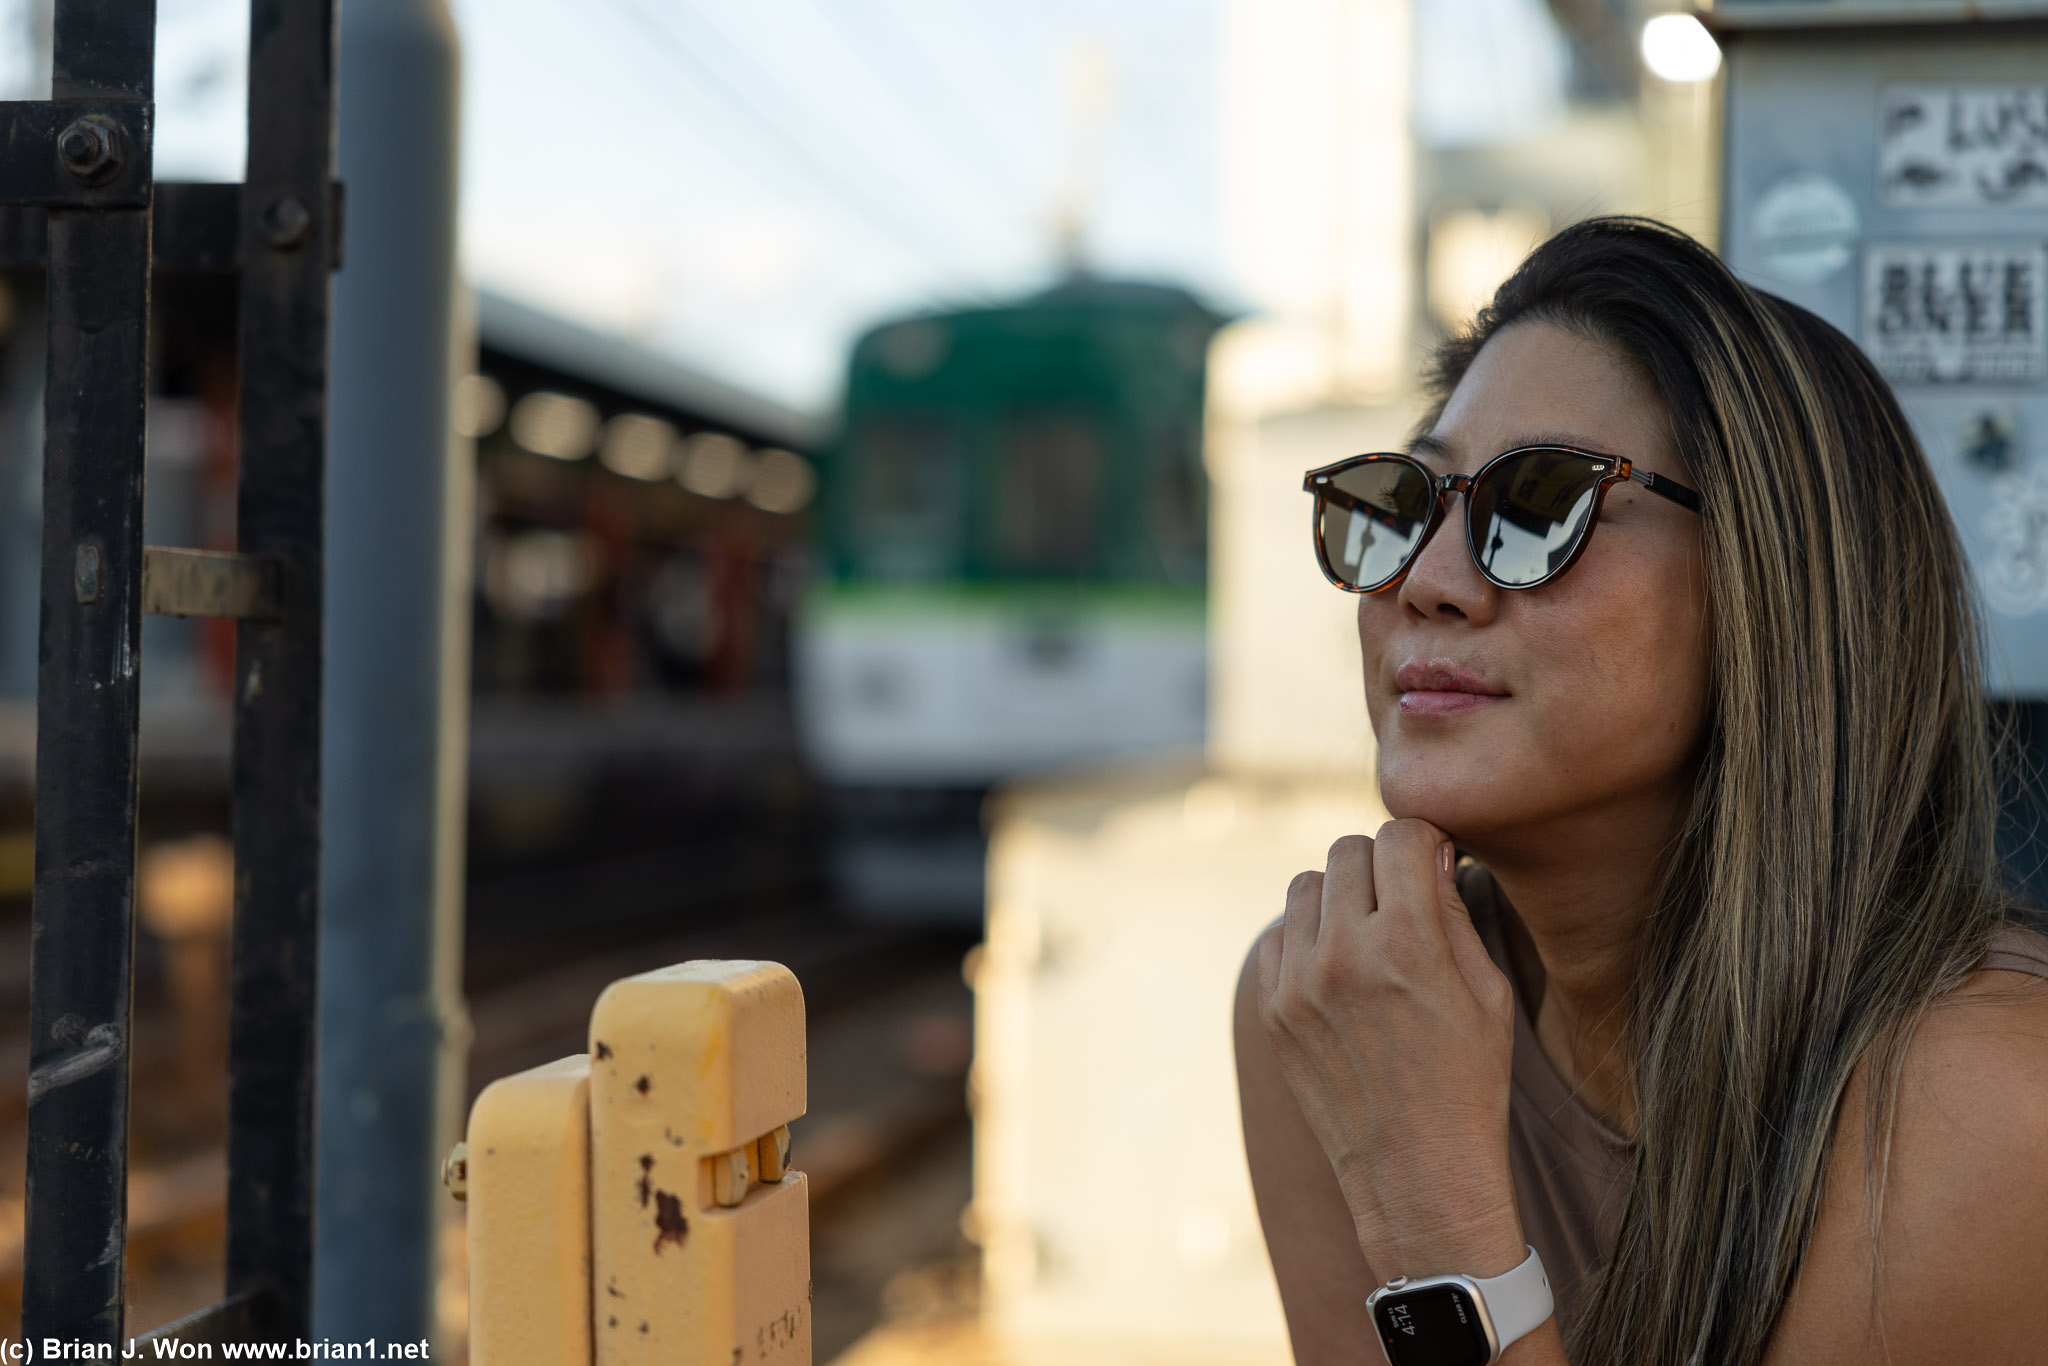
(87, 688)
(77, 198)
(288, 233)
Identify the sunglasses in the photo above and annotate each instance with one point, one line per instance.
(1528, 513)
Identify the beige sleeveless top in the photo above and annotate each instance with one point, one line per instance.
(1570, 1170)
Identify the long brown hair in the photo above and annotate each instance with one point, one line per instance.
(1836, 870)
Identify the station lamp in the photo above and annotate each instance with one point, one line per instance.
(1678, 48)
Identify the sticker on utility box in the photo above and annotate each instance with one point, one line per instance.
(2014, 568)
(1956, 313)
(1963, 146)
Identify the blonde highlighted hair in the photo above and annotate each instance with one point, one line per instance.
(1836, 871)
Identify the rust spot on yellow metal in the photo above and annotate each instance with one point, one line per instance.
(721, 1048)
(669, 1222)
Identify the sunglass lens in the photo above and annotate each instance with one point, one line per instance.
(1373, 516)
(1530, 513)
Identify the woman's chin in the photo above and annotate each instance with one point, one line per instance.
(1457, 808)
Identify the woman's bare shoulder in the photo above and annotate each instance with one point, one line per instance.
(1961, 1251)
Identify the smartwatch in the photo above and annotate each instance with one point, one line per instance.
(1459, 1320)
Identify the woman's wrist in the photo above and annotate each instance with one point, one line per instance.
(1485, 1240)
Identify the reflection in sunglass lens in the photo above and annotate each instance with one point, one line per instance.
(1529, 513)
(1372, 517)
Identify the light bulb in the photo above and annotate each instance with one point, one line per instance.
(1678, 48)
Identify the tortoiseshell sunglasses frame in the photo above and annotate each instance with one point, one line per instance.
(1612, 469)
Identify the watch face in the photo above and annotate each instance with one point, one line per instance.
(1437, 1325)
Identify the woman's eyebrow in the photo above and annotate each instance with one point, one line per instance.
(1573, 440)
(1427, 447)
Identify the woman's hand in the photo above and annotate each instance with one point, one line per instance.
(1395, 1032)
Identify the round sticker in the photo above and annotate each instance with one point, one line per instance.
(1806, 227)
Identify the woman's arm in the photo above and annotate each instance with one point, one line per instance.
(1373, 1041)
(1964, 1240)
(1322, 1274)
(1382, 1022)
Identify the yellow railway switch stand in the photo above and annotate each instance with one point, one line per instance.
(645, 1186)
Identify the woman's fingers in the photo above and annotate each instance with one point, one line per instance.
(1348, 892)
(1302, 924)
(1401, 874)
(1342, 891)
(1407, 867)
(1417, 857)
(1488, 984)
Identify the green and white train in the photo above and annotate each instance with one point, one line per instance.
(1014, 543)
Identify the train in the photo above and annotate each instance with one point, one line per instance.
(1013, 555)
(1011, 566)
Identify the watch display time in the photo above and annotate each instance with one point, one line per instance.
(1437, 1325)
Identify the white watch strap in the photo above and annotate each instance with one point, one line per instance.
(1517, 1301)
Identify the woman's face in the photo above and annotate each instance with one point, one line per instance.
(1595, 684)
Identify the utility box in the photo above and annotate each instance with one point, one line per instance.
(1887, 167)
(634, 1205)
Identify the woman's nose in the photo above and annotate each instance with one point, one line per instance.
(1443, 578)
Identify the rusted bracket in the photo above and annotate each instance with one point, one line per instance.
(209, 583)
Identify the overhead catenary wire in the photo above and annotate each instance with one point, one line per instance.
(903, 230)
(911, 45)
(1174, 171)
(1142, 78)
(986, 180)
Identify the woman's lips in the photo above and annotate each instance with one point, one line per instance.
(1424, 703)
(1441, 688)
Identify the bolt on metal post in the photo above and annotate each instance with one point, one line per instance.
(90, 149)
(285, 222)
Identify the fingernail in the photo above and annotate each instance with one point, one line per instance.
(1443, 857)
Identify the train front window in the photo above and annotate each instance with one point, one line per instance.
(1047, 493)
(907, 498)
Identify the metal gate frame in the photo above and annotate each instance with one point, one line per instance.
(77, 195)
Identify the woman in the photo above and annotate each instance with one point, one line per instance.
(1722, 1021)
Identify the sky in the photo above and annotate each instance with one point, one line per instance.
(791, 170)
(746, 186)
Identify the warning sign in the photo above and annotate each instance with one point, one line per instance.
(1963, 146)
(1956, 313)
